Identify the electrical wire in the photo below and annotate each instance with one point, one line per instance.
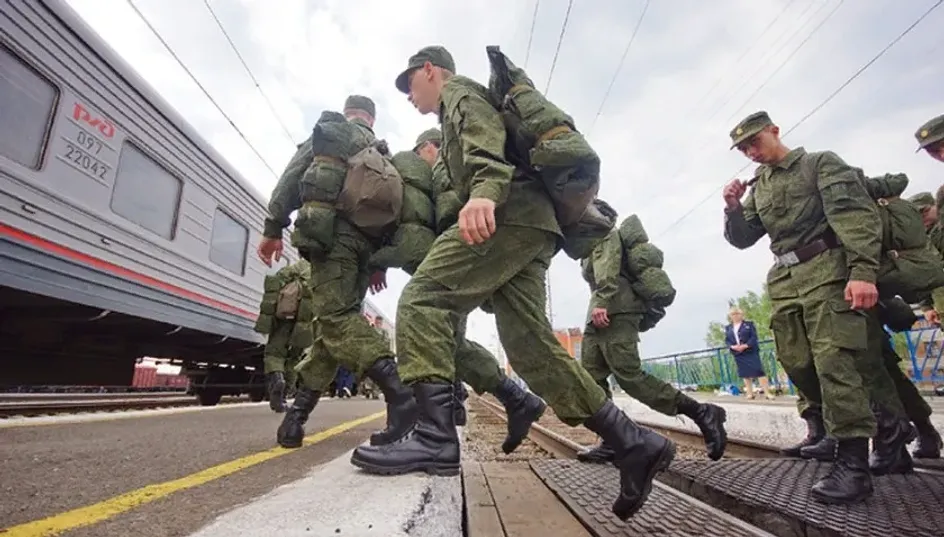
(534, 21)
(275, 114)
(619, 67)
(819, 107)
(560, 40)
(205, 92)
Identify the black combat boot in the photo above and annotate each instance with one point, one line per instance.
(710, 419)
(276, 382)
(849, 481)
(824, 450)
(522, 408)
(639, 454)
(601, 453)
(431, 445)
(461, 395)
(292, 429)
(401, 408)
(889, 445)
(815, 431)
(929, 441)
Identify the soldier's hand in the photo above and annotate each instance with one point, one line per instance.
(861, 295)
(477, 220)
(378, 281)
(269, 248)
(600, 318)
(932, 317)
(732, 193)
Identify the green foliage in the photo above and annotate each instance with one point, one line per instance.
(756, 308)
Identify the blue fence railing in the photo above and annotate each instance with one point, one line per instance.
(923, 348)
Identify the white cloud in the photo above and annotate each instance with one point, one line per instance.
(664, 148)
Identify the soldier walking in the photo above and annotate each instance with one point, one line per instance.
(500, 250)
(826, 236)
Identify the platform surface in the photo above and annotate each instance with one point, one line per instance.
(775, 494)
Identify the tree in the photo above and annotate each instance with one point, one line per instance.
(756, 308)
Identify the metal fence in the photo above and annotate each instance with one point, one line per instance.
(715, 368)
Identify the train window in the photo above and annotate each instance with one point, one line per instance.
(27, 100)
(228, 242)
(146, 193)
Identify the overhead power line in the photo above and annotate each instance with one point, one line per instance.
(205, 92)
(534, 20)
(275, 114)
(820, 106)
(619, 67)
(560, 40)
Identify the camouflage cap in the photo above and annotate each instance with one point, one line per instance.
(433, 54)
(931, 132)
(431, 135)
(922, 200)
(359, 102)
(749, 126)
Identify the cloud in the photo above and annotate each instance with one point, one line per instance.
(661, 135)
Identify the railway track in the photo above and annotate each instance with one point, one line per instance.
(31, 406)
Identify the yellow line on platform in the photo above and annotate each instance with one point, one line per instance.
(91, 514)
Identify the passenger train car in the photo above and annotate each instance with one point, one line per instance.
(123, 233)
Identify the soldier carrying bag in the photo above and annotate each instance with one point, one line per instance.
(290, 296)
(909, 267)
(643, 261)
(543, 140)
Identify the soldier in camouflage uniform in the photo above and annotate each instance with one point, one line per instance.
(287, 339)
(339, 283)
(474, 363)
(611, 346)
(500, 250)
(827, 241)
(931, 137)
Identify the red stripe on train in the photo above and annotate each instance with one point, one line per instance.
(117, 270)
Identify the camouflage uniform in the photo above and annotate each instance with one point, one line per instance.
(287, 338)
(829, 351)
(339, 282)
(614, 349)
(510, 269)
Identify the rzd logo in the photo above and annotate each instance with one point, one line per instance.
(107, 128)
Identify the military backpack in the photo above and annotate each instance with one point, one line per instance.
(543, 140)
(642, 262)
(909, 266)
(372, 196)
(290, 296)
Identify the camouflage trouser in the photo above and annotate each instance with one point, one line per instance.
(342, 335)
(615, 349)
(831, 354)
(279, 355)
(915, 406)
(474, 364)
(510, 268)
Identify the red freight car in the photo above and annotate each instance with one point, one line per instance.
(145, 376)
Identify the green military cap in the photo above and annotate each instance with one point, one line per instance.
(749, 126)
(931, 132)
(359, 102)
(433, 54)
(431, 135)
(922, 200)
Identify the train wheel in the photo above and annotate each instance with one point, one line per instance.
(209, 397)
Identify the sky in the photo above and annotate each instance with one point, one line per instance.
(693, 71)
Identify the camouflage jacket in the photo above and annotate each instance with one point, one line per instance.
(604, 271)
(473, 152)
(793, 213)
(286, 196)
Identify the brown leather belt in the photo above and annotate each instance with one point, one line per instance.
(805, 253)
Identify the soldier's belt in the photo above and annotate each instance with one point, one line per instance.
(805, 253)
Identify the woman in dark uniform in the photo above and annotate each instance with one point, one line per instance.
(741, 337)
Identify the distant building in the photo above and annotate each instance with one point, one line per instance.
(571, 339)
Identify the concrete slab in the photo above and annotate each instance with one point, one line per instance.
(770, 422)
(339, 499)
